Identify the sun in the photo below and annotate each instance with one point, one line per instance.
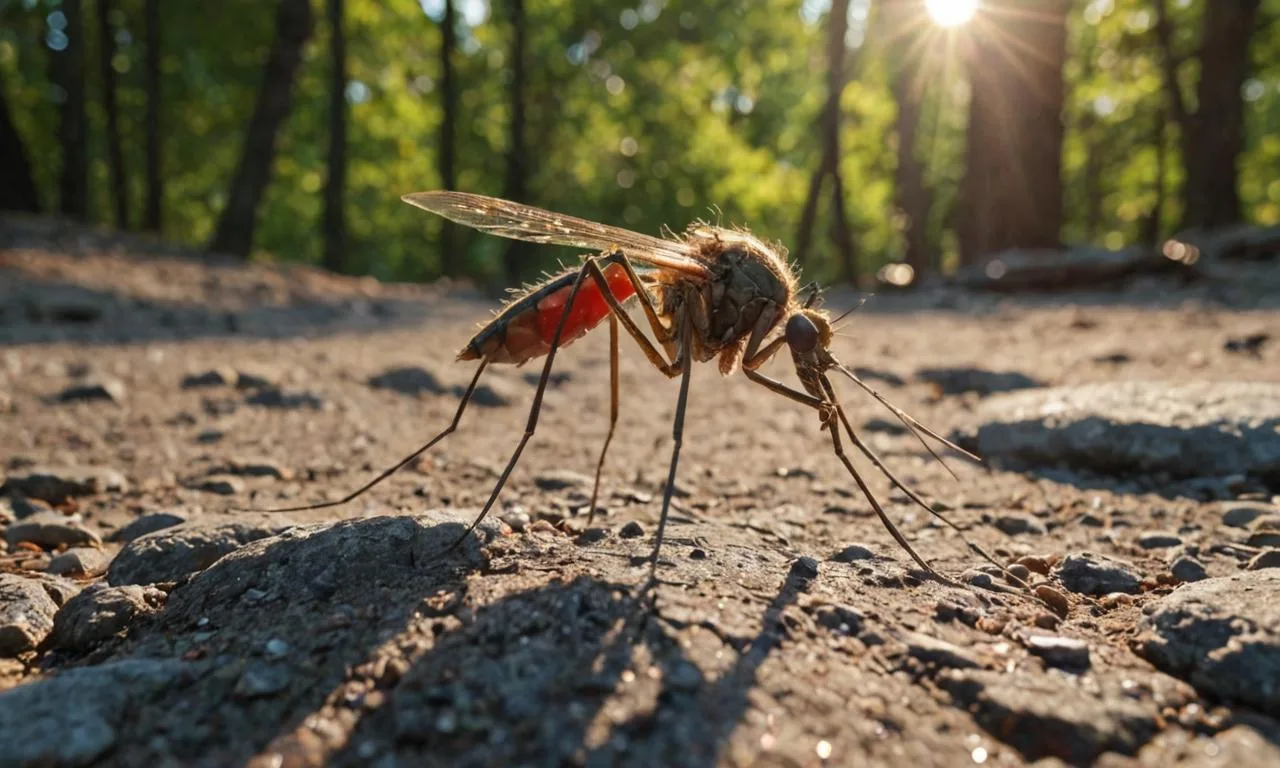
(951, 13)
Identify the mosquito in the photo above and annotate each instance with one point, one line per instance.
(711, 293)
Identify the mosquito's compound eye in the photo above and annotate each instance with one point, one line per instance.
(802, 334)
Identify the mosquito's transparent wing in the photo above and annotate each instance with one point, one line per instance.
(524, 222)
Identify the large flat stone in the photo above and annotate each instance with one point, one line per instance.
(1221, 635)
(1185, 429)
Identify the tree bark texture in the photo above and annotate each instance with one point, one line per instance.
(234, 234)
(335, 221)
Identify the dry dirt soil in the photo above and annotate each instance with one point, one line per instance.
(788, 627)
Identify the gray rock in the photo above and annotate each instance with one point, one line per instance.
(174, 553)
(214, 377)
(1043, 716)
(1093, 574)
(149, 523)
(411, 380)
(80, 561)
(562, 479)
(223, 485)
(51, 530)
(937, 652)
(57, 484)
(1066, 652)
(1222, 635)
(957, 381)
(1013, 525)
(72, 719)
(22, 507)
(517, 518)
(1159, 540)
(26, 615)
(853, 553)
(495, 393)
(273, 397)
(1269, 558)
(243, 467)
(1185, 429)
(631, 530)
(1268, 539)
(102, 390)
(99, 613)
(1239, 514)
(1188, 569)
(261, 679)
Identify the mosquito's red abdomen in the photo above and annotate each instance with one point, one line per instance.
(528, 327)
(589, 307)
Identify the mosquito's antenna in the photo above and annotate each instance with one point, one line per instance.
(853, 309)
(815, 292)
(916, 427)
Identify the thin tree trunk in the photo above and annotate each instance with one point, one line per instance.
(68, 70)
(1012, 192)
(450, 259)
(810, 212)
(1212, 137)
(517, 159)
(842, 237)
(1151, 230)
(335, 222)
(115, 152)
(234, 235)
(914, 201)
(151, 218)
(18, 192)
(829, 163)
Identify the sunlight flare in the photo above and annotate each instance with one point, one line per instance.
(951, 13)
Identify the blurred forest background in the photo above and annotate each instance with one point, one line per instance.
(861, 133)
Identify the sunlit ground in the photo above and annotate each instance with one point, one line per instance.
(951, 13)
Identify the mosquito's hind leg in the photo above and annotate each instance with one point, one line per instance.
(453, 425)
(536, 409)
(677, 434)
(613, 412)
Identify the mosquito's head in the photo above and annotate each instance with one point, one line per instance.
(808, 334)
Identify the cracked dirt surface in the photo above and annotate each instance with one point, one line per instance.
(789, 630)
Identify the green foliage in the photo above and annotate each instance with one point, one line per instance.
(640, 115)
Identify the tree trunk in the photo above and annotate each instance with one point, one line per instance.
(18, 193)
(517, 159)
(151, 218)
(335, 222)
(914, 201)
(450, 259)
(115, 153)
(1151, 226)
(234, 234)
(1217, 131)
(68, 73)
(829, 164)
(1012, 190)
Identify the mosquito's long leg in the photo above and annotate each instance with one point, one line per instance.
(915, 497)
(453, 425)
(536, 409)
(777, 387)
(677, 434)
(613, 412)
(646, 301)
(875, 504)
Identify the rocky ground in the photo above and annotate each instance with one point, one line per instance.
(1132, 439)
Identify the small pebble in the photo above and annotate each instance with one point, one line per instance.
(1093, 574)
(977, 578)
(1035, 563)
(276, 648)
(1188, 569)
(560, 480)
(1158, 540)
(1019, 571)
(80, 561)
(805, 566)
(1014, 525)
(106, 389)
(631, 530)
(1059, 651)
(517, 518)
(1267, 559)
(1239, 515)
(1054, 599)
(697, 553)
(50, 530)
(215, 377)
(592, 535)
(1047, 621)
(1268, 539)
(853, 553)
(225, 485)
